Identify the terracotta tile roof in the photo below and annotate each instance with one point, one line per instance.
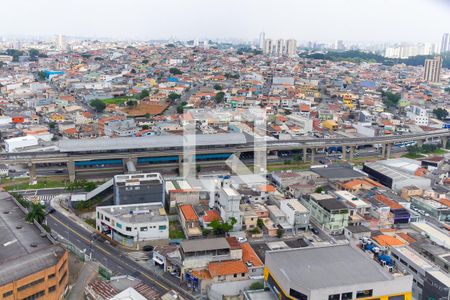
(267, 188)
(233, 242)
(387, 240)
(406, 237)
(248, 254)
(391, 203)
(201, 274)
(188, 212)
(229, 267)
(211, 215)
(445, 201)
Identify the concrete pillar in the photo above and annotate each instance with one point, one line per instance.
(444, 140)
(383, 150)
(71, 170)
(419, 143)
(305, 152)
(388, 150)
(129, 165)
(352, 149)
(32, 173)
(313, 151)
(344, 152)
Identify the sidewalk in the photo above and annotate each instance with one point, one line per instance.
(56, 204)
(88, 272)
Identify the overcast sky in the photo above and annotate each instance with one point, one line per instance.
(316, 20)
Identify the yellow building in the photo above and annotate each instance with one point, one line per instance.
(330, 125)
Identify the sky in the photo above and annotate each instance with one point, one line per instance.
(304, 20)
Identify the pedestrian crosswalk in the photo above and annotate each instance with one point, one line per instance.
(45, 198)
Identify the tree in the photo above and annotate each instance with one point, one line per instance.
(145, 127)
(280, 233)
(175, 71)
(219, 97)
(440, 113)
(41, 75)
(144, 94)
(98, 105)
(260, 223)
(256, 286)
(391, 99)
(37, 213)
(145, 61)
(319, 190)
(220, 228)
(205, 231)
(173, 96)
(89, 186)
(217, 87)
(131, 103)
(52, 125)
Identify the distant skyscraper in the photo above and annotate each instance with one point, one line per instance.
(445, 44)
(291, 47)
(196, 42)
(262, 38)
(280, 47)
(268, 46)
(205, 44)
(60, 42)
(339, 45)
(433, 68)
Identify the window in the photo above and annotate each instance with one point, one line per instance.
(50, 276)
(400, 297)
(334, 297)
(107, 219)
(35, 296)
(128, 228)
(395, 255)
(144, 229)
(52, 289)
(364, 293)
(24, 287)
(62, 278)
(412, 269)
(347, 296)
(297, 295)
(162, 227)
(62, 266)
(403, 262)
(235, 275)
(7, 294)
(118, 225)
(243, 274)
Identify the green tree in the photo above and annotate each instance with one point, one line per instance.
(144, 94)
(440, 113)
(260, 223)
(41, 75)
(52, 125)
(319, 190)
(220, 96)
(98, 105)
(145, 61)
(131, 103)
(175, 71)
(145, 127)
(174, 96)
(36, 212)
(280, 233)
(89, 186)
(217, 87)
(391, 99)
(256, 286)
(220, 228)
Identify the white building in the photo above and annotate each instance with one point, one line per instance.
(15, 144)
(291, 47)
(296, 214)
(228, 205)
(129, 224)
(419, 115)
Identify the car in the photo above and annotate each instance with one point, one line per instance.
(241, 239)
(148, 248)
(51, 210)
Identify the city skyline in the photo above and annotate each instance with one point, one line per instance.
(324, 20)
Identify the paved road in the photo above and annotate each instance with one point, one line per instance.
(109, 256)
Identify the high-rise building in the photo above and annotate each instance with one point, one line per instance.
(339, 45)
(291, 47)
(433, 68)
(60, 42)
(280, 47)
(445, 44)
(268, 45)
(262, 38)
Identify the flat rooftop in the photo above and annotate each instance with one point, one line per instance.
(148, 142)
(338, 173)
(324, 267)
(18, 238)
(136, 213)
(204, 245)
